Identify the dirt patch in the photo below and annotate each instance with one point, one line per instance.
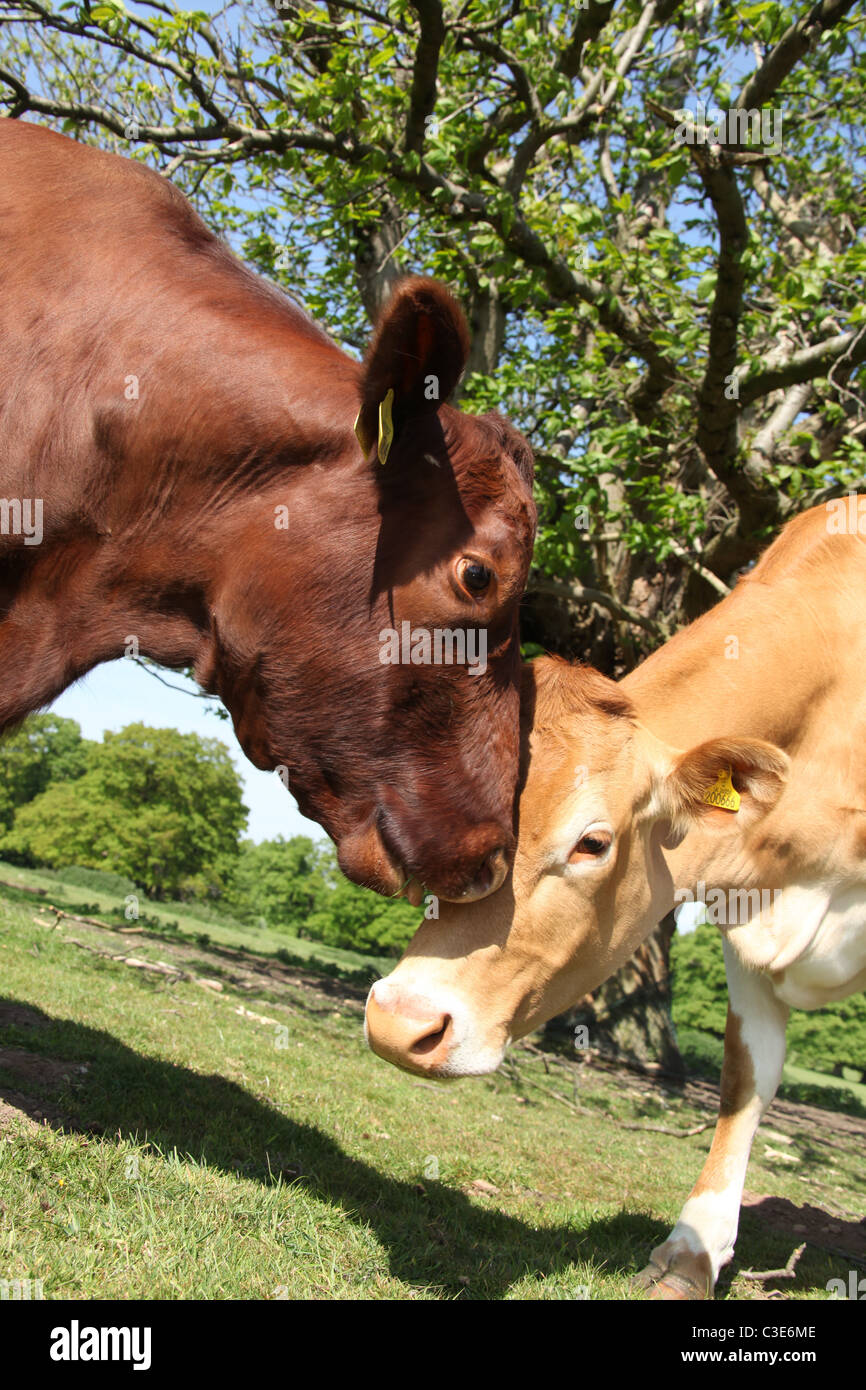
(20, 1111)
(795, 1117)
(31, 1069)
(14, 1116)
(250, 971)
(14, 1015)
(807, 1223)
(31, 1072)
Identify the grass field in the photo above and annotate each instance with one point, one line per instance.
(216, 1128)
(193, 922)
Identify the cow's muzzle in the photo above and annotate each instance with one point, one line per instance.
(393, 865)
(425, 1035)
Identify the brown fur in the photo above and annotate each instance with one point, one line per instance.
(159, 511)
(737, 1090)
(559, 692)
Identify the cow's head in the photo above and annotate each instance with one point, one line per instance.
(370, 646)
(602, 801)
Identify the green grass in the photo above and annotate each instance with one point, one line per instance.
(818, 1079)
(187, 920)
(186, 1149)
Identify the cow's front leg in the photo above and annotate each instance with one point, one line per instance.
(687, 1264)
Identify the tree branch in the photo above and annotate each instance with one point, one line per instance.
(697, 568)
(579, 593)
(786, 412)
(422, 95)
(588, 26)
(814, 361)
(792, 46)
(718, 409)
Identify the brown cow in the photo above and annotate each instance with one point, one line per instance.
(761, 819)
(179, 469)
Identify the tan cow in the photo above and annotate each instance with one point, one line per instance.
(616, 827)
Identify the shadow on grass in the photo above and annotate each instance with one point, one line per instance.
(436, 1236)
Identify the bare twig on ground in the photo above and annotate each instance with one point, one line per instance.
(789, 1272)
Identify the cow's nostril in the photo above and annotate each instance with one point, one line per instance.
(489, 875)
(431, 1040)
(496, 862)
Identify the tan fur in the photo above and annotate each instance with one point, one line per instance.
(738, 1088)
(770, 685)
(794, 692)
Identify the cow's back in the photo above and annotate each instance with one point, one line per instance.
(132, 341)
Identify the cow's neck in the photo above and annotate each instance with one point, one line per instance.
(70, 608)
(754, 666)
(156, 493)
(148, 586)
(762, 664)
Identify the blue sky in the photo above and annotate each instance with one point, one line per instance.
(121, 693)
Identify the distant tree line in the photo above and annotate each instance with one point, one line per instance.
(165, 810)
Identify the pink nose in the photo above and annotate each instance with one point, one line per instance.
(409, 1031)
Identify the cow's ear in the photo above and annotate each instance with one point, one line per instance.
(415, 360)
(724, 782)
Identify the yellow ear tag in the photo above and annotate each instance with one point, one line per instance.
(723, 793)
(386, 426)
(362, 437)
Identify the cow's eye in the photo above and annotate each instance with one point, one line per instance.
(592, 845)
(473, 576)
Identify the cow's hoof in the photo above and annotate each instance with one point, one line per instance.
(678, 1287)
(670, 1285)
(649, 1277)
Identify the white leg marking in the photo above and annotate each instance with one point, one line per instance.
(754, 1054)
